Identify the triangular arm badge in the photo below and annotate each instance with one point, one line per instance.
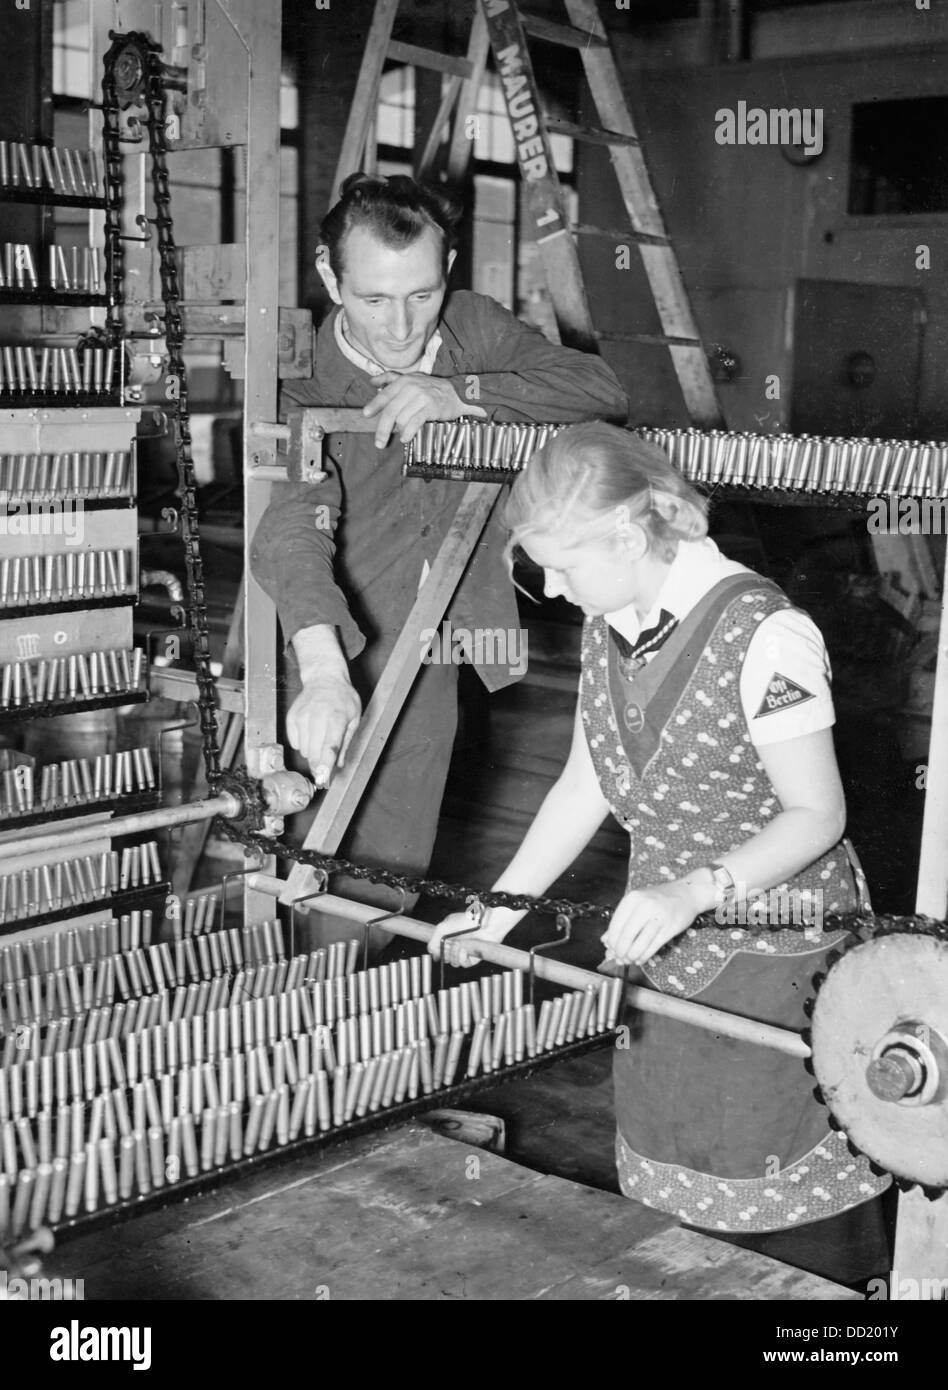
(782, 693)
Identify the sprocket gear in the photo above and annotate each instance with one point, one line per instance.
(879, 1042)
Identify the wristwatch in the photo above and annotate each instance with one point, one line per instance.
(725, 887)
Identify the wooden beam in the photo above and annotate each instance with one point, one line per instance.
(921, 1235)
(366, 99)
(345, 790)
(428, 58)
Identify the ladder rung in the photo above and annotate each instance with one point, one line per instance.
(560, 33)
(591, 134)
(429, 58)
(651, 339)
(620, 234)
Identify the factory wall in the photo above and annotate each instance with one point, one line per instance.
(747, 225)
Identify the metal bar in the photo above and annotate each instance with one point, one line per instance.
(181, 685)
(166, 816)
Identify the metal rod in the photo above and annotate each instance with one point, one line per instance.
(223, 805)
(648, 1000)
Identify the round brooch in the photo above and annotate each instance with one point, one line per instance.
(634, 719)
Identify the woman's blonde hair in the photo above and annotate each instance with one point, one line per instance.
(593, 481)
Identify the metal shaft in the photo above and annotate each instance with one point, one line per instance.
(223, 805)
(648, 1000)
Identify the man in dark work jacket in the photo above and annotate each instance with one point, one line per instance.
(343, 559)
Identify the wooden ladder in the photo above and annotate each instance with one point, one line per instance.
(501, 25)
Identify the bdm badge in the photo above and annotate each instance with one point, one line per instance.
(782, 693)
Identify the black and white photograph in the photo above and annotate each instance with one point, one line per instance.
(473, 669)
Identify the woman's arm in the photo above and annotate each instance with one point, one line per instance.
(811, 820)
(570, 815)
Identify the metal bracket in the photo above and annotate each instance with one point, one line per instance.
(303, 435)
(474, 909)
(265, 758)
(564, 926)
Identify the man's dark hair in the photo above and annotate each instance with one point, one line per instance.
(395, 210)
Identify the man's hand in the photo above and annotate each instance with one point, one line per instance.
(321, 723)
(408, 400)
(647, 918)
(323, 718)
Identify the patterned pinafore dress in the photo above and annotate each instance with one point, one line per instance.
(722, 1134)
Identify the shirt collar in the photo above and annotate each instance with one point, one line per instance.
(368, 364)
(696, 568)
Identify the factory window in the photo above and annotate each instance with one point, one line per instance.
(396, 119)
(899, 158)
(72, 70)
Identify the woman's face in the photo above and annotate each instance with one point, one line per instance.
(599, 576)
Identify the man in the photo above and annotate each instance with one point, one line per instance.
(343, 559)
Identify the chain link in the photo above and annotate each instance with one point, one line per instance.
(136, 51)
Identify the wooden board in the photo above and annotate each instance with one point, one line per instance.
(410, 1215)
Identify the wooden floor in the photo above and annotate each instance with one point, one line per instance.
(410, 1215)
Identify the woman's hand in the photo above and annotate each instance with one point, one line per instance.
(646, 919)
(454, 952)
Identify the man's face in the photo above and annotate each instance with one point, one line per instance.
(392, 297)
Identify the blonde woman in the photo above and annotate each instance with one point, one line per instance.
(704, 725)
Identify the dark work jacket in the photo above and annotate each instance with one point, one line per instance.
(360, 573)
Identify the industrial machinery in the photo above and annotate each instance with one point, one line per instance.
(150, 1047)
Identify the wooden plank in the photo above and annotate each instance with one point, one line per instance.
(920, 1261)
(345, 791)
(261, 354)
(592, 135)
(433, 143)
(342, 419)
(563, 34)
(462, 145)
(365, 102)
(921, 1236)
(429, 58)
(650, 340)
(406, 1215)
(617, 234)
